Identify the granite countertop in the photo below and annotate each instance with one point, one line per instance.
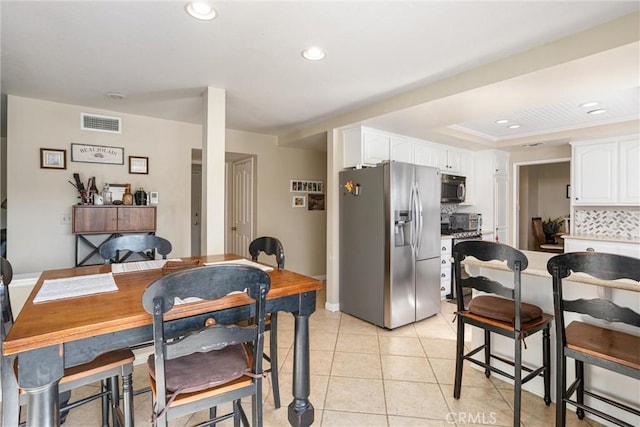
(538, 267)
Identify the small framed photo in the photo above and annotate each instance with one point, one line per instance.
(316, 202)
(139, 165)
(305, 186)
(51, 158)
(299, 201)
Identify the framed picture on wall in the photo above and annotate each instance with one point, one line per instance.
(299, 201)
(138, 165)
(97, 154)
(51, 158)
(316, 202)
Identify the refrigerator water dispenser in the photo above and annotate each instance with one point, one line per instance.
(402, 230)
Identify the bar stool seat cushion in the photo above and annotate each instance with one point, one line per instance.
(615, 346)
(503, 309)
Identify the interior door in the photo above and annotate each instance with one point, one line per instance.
(242, 218)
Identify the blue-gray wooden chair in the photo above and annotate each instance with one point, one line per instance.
(271, 246)
(106, 368)
(206, 358)
(501, 312)
(134, 243)
(590, 340)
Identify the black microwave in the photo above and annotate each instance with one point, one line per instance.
(453, 189)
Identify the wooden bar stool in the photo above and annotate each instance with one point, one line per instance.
(501, 312)
(590, 340)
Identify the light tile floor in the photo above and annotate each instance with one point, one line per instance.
(362, 375)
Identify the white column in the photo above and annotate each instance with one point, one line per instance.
(334, 161)
(213, 189)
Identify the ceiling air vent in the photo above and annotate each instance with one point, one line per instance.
(100, 123)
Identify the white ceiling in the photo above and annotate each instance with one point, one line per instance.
(162, 59)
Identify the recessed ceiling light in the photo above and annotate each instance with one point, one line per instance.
(502, 121)
(589, 104)
(600, 111)
(200, 10)
(514, 126)
(313, 53)
(115, 95)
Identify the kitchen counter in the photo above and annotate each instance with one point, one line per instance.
(600, 238)
(538, 267)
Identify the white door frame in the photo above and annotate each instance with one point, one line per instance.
(516, 192)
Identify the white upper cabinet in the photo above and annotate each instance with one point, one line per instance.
(365, 147)
(424, 154)
(629, 153)
(501, 163)
(402, 149)
(449, 161)
(605, 172)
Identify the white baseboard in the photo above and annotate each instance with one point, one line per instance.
(332, 307)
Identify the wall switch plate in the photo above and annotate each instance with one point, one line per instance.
(153, 197)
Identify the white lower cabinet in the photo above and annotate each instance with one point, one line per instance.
(631, 249)
(445, 268)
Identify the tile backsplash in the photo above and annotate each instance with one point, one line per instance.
(621, 224)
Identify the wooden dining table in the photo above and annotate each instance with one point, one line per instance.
(48, 337)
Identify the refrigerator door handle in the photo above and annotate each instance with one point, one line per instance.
(419, 225)
(412, 198)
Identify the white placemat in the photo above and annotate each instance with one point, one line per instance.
(54, 289)
(128, 267)
(243, 262)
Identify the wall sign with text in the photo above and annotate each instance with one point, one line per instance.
(97, 154)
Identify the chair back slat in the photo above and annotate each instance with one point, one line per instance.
(134, 243)
(603, 309)
(487, 285)
(601, 266)
(208, 282)
(515, 260)
(215, 337)
(270, 246)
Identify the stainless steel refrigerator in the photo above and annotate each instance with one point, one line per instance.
(390, 243)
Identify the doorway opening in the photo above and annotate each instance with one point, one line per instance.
(540, 190)
(240, 202)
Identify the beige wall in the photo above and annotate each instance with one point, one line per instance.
(302, 232)
(38, 197)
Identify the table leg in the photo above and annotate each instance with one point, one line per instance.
(10, 396)
(39, 373)
(42, 406)
(301, 413)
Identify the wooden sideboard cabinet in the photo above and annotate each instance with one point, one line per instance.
(87, 219)
(111, 221)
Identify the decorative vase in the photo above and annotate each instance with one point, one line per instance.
(141, 197)
(127, 197)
